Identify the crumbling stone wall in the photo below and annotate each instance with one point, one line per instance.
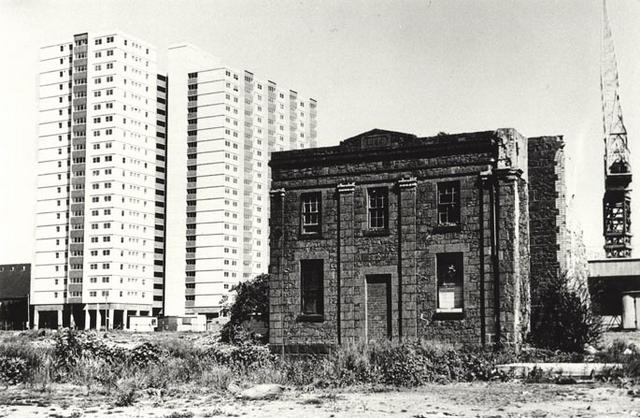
(547, 211)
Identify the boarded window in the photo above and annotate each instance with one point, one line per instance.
(450, 282)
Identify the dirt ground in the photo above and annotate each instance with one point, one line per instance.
(453, 400)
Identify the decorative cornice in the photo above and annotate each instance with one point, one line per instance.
(483, 142)
(408, 183)
(346, 187)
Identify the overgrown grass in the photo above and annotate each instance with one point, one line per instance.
(87, 360)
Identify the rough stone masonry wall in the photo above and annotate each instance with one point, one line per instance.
(284, 287)
(406, 252)
(524, 323)
(547, 211)
(467, 240)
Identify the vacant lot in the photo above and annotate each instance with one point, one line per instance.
(180, 383)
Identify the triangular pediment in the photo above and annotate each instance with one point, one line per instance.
(377, 139)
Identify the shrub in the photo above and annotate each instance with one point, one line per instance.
(563, 320)
(251, 302)
(397, 364)
(143, 355)
(13, 370)
(125, 397)
(19, 362)
(241, 356)
(67, 350)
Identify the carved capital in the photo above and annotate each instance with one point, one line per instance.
(486, 176)
(408, 183)
(346, 188)
(509, 174)
(277, 193)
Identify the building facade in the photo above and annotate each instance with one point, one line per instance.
(100, 202)
(223, 125)
(391, 236)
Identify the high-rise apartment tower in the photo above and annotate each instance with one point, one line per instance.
(100, 198)
(223, 125)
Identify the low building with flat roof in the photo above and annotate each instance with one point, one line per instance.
(14, 296)
(614, 284)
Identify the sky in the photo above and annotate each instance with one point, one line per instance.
(420, 67)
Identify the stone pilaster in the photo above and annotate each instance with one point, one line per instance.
(346, 259)
(510, 234)
(407, 278)
(276, 279)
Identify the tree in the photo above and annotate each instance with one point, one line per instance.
(563, 319)
(251, 303)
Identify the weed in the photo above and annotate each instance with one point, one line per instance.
(125, 398)
(537, 375)
(176, 414)
(214, 412)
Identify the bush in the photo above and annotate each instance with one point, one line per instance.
(125, 397)
(67, 350)
(251, 303)
(563, 320)
(396, 364)
(241, 356)
(13, 370)
(143, 355)
(19, 363)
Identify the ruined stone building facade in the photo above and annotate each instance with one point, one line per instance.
(392, 236)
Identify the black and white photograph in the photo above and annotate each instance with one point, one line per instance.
(298, 208)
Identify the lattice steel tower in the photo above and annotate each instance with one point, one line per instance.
(616, 203)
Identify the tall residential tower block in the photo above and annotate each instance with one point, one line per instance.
(223, 125)
(100, 193)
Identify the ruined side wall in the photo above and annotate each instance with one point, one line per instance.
(549, 236)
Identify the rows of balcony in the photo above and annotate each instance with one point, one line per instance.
(76, 246)
(75, 274)
(74, 287)
(77, 193)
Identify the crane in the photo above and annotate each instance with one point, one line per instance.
(616, 203)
